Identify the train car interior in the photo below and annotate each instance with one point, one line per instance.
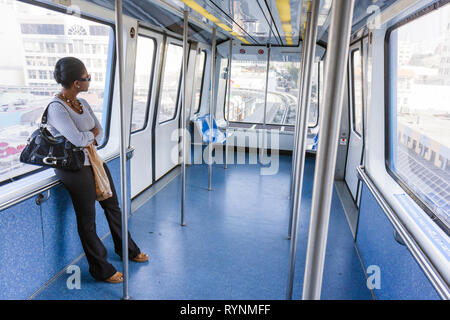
(260, 149)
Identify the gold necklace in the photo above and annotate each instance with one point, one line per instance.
(72, 104)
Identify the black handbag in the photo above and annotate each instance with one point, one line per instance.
(43, 149)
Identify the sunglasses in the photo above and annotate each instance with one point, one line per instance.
(85, 79)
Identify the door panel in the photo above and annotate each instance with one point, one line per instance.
(167, 114)
(145, 78)
(356, 118)
(367, 85)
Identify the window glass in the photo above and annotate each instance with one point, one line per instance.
(282, 92)
(37, 38)
(357, 93)
(199, 72)
(420, 110)
(284, 80)
(142, 80)
(170, 84)
(317, 92)
(248, 80)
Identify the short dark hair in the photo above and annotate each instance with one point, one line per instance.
(68, 70)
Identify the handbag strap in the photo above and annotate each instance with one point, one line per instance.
(44, 115)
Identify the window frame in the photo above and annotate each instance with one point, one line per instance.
(319, 89)
(161, 86)
(352, 89)
(150, 85)
(202, 83)
(109, 86)
(226, 99)
(389, 127)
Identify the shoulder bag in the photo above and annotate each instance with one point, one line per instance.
(43, 149)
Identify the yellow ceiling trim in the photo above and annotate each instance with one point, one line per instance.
(198, 8)
(225, 27)
(243, 40)
(284, 10)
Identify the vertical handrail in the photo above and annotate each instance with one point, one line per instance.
(304, 104)
(228, 102)
(211, 107)
(123, 141)
(262, 144)
(183, 118)
(297, 125)
(338, 45)
(266, 90)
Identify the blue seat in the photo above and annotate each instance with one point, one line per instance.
(202, 125)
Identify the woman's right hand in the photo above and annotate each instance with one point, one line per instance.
(95, 131)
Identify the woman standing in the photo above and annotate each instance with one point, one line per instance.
(74, 119)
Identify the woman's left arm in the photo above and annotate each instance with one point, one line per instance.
(99, 136)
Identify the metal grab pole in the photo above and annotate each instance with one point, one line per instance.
(310, 50)
(297, 125)
(266, 90)
(211, 106)
(183, 117)
(228, 101)
(338, 44)
(123, 141)
(263, 147)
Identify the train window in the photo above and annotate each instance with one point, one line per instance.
(316, 94)
(419, 110)
(248, 91)
(37, 37)
(357, 92)
(171, 83)
(319, 88)
(142, 82)
(199, 76)
(282, 96)
(283, 92)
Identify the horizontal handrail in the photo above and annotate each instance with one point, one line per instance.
(47, 186)
(419, 255)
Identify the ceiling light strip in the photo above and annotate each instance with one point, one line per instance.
(233, 21)
(284, 10)
(198, 8)
(274, 24)
(269, 23)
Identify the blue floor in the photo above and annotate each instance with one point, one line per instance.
(233, 247)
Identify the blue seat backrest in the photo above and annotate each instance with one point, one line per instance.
(205, 123)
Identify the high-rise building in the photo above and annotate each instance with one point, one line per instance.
(39, 37)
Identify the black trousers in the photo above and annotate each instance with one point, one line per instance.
(81, 186)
